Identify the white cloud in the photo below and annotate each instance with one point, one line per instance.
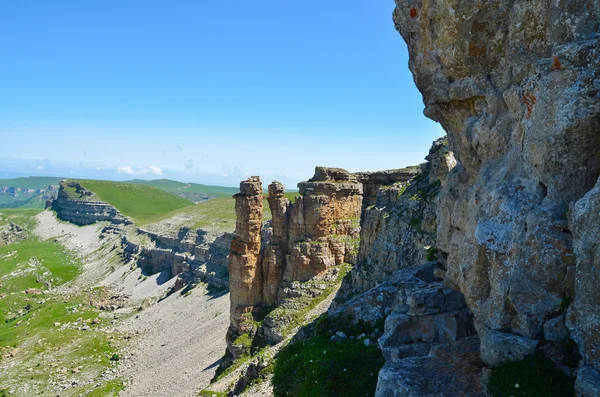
(40, 167)
(155, 170)
(127, 169)
(98, 168)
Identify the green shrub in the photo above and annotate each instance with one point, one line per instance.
(534, 376)
(565, 302)
(431, 254)
(319, 367)
(208, 393)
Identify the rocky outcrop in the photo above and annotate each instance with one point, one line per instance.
(245, 275)
(398, 229)
(516, 87)
(293, 259)
(77, 205)
(372, 181)
(193, 255)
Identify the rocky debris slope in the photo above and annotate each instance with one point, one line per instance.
(516, 86)
(77, 205)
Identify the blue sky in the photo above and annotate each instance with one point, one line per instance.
(205, 91)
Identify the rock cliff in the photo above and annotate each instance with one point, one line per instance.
(77, 205)
(516, 85)
(191, 254)
(283, 266)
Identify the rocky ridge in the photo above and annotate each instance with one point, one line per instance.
(280, 269)
(192, 255)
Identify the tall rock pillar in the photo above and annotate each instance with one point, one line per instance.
(245, 278)
(274, 253)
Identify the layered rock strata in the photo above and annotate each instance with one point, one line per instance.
(516, 87)
(245, 275)
(429, 342)
(294, 257)
(193, 255)
(77, 205)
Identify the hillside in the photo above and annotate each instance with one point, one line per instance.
(216, 215)
(29, 192)
(191, 191)
(144, 204)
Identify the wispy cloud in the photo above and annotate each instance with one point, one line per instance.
(129, 170)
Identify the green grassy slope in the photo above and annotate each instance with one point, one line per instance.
(143, 204)
(41, 333)
(180, 187)
(26, 199)
(31, 182)
(217, 214)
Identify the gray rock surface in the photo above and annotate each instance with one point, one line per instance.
(499, 347)
(516, 87)
(399, 228)
(587, 383)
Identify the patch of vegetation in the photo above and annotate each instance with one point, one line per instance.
(244, 340)
(303, 305)
(431, 253)
(110, 389)
(319, 367)
(565, 302)
(175, 187)
(535, 376)
(44, 333)
(208, 393)
(144, 204)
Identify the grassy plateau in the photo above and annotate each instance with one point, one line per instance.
(144, 204)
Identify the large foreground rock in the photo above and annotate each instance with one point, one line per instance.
(516, 85)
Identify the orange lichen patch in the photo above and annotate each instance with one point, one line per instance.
(556, 64)
(529, 100)
(413, 12)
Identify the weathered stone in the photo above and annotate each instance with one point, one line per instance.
(555, 330)
(515, 85)
(499, 347)
(585, 225)
(77, 205)
(245, 278)
(449, 370)
(397, 231)
(587, 383)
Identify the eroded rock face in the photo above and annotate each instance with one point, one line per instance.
(245, 278)
(398, 230)
(77, 205)
(516, 86)
(429, 341)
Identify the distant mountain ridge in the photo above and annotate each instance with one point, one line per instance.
(195, 192)
(27, 192)
(33, 191)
